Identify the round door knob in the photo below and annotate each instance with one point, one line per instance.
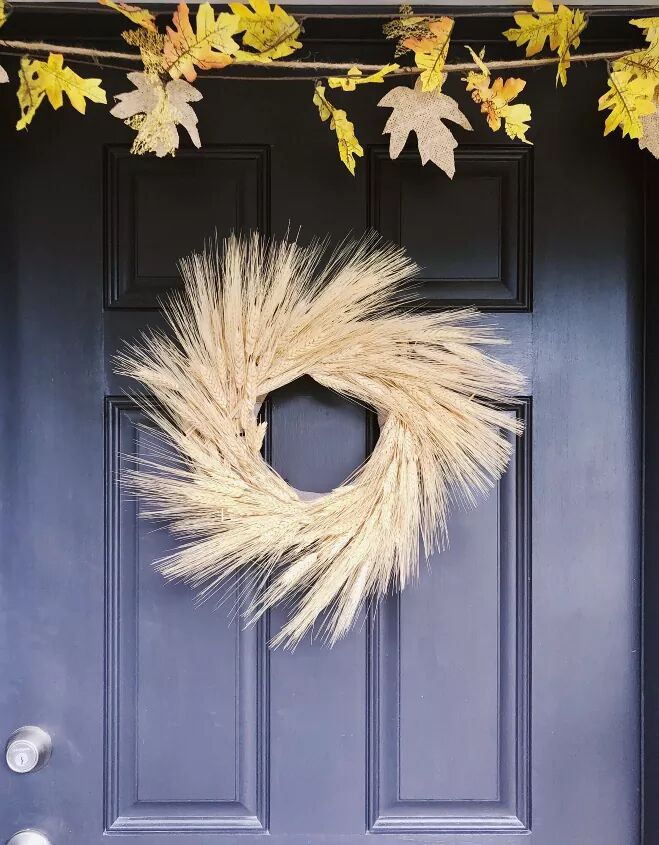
(28, 749)
(28, 837)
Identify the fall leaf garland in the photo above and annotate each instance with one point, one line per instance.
(258, 33)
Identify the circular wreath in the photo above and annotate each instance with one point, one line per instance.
(256, 314)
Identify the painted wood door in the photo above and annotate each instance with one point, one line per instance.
(497, 696)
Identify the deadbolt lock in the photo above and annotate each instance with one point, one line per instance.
(28, 749)
(29, 837)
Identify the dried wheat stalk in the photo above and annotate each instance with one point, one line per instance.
(257, 314)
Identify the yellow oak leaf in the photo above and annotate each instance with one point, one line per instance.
(561, 26)
(650, 26)
(51, 79)
(629, 99)
(430, 53)
(355, 77)
(534, 30)
(209, 46)
(141, 17)
(516, 121)
(349, 146)
(495, 99)
(644, 63)
(572, 24)
(270, 32)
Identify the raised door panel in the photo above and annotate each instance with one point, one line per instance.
(470, 235)
(449, 677)
(186, 707)
(159, 210)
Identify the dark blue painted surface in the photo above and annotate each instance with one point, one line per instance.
(498, 695)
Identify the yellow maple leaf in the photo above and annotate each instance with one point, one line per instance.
(270, 32)
(495, 99)
(349, 146)
(141, 17)
(4, 12)
(39, 79)
(430, 53)
(561, 26)
(209, 46)
(629, 99)
(355, 77)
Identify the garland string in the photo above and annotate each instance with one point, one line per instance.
(456, 67)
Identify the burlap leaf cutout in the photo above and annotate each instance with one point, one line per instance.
(3, 17)
(650, 139)
(423, 112)
(154, 110)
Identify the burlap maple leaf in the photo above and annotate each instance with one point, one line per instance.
(154, 110)
(423, 112)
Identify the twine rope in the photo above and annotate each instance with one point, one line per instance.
(455, 67)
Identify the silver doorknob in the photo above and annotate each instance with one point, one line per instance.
(28, 749)
(28, 837)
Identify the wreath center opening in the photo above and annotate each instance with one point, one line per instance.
(318, 437)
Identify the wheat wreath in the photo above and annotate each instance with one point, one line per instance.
(256, 314)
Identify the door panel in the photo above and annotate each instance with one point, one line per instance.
(499, 694)
(186, 693)
(449, 658)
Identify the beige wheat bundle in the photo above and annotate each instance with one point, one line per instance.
(256, 314)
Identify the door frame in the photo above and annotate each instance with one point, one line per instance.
(650, 526)
(648, 358)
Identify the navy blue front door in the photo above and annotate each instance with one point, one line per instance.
(500, 694)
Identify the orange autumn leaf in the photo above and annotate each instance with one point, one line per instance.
(209, 46)
(430, 53)
(509, 89)
(440, 30)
